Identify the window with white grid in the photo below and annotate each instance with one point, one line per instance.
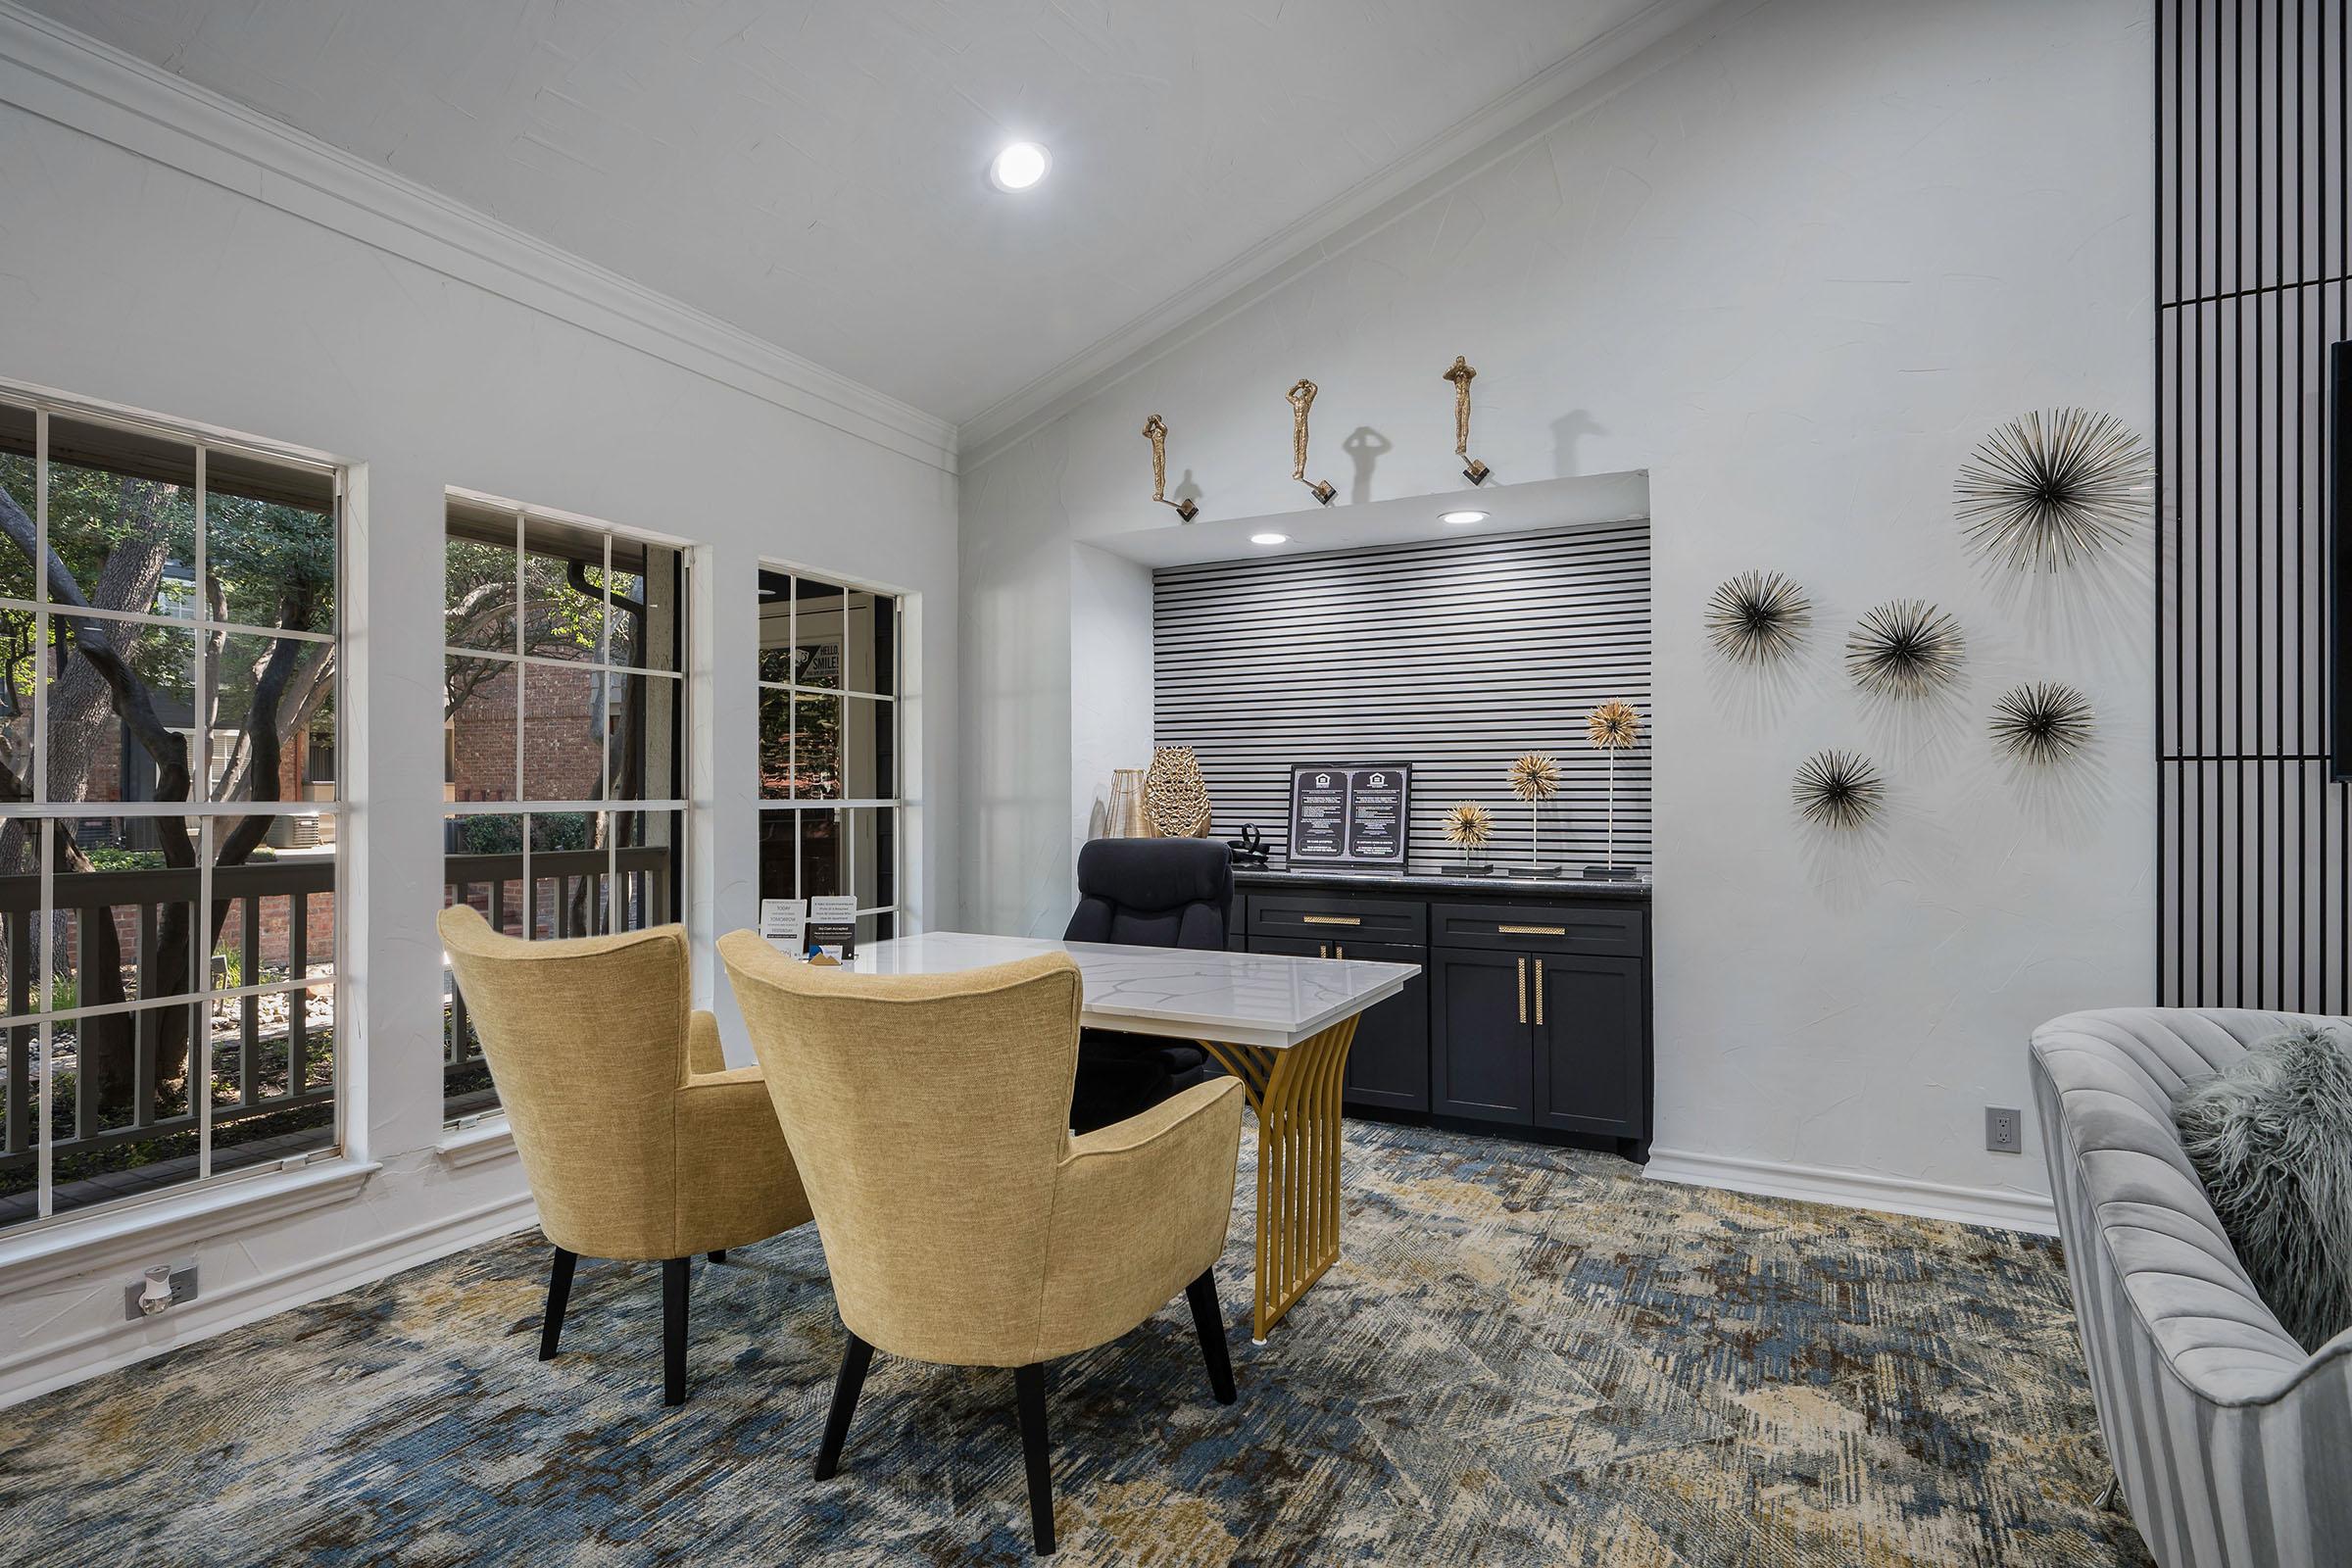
(168, 862)
(562, 739)
(831, 791)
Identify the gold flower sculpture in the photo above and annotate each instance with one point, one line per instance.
(1614, 727)
(1534, 777)
(1469, 827)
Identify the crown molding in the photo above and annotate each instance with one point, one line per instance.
(48, 69)
(1455, 154)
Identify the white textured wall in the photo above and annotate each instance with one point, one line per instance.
(1794, 268)
(128, 280)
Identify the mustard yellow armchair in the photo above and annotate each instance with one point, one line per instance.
(637, 1140)
(961, 1222)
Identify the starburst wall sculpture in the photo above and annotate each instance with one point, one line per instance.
(1839, 790)
(2041, 722)
(1904, 648)
(2046, 491)
(1757, 616)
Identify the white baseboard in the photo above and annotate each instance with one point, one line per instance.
(1854, 1189)
(106, 1346)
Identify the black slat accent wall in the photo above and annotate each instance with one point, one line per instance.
(2252, 244)
(1455, 657)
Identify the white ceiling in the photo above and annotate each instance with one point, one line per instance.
(814, 171)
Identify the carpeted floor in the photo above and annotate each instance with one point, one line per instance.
(1527, 1357)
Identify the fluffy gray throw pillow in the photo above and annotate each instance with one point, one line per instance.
(2272, 1140)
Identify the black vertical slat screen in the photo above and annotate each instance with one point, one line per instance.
(1455, 656)
(2255, 899)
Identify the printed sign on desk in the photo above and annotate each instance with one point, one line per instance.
(1349, 815)
(833, 927)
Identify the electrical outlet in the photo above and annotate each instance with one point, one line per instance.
(183, 1291)
(2004, 1130)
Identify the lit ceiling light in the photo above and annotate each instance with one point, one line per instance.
(1269, 538)
(1461, 517)
(1019, 165)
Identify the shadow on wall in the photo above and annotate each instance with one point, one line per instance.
(1186, 490)
(1566, 430)
(2085, 612)
(1364, 447)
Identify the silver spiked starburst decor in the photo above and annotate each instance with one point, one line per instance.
(2041, 722)
(1839, 790)
(2048, 490)
(1904, 648)
(1757, 616)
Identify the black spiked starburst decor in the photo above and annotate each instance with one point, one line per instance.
(1904, 648)
(2046, 491)
(1757, 616)
(2041, 722)
(1839, 790)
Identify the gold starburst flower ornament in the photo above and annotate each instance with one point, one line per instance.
(1614, 727)
(1536, 776)
(1469, 827)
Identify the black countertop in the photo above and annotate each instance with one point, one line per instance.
(1439, 876)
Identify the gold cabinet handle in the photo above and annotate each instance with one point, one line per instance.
(1322, 950)
(1539, 991)
(1523, 991)
(1333, 919)
(1337, 952)
(1525, 930)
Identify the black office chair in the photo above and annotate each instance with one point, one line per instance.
(1152, 893)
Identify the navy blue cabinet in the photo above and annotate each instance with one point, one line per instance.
(1531, 1013)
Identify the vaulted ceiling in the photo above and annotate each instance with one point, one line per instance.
(814, 171)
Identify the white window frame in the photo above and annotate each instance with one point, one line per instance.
(204, 812)
(897, 802)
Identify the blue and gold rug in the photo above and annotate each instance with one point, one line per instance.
(1527, 1357)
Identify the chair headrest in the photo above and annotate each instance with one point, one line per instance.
(1156, 873)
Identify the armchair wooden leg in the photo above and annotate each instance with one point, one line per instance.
(1029, 1389)
(674, 1274)
(559, 1293)
(1210, 1320)
(719, 1256)
(855, 1358)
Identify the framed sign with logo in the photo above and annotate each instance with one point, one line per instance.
(1349, 815)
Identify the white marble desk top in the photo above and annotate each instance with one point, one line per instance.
(1242, 998)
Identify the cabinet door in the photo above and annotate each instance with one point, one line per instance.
(1479, 1046)
(1388, 1066)
(1589, 1042)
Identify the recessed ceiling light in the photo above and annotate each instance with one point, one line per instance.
(1019, 165)
(1269, 538)
(1461, 517)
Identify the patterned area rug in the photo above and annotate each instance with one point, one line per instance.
(1527, 1357)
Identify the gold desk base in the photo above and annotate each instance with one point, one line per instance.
(1295, 1093)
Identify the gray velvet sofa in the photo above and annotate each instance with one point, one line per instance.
(2232, 1445)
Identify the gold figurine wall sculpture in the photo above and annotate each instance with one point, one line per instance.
(1302, 398)
(1461, 375)
(1156, 430)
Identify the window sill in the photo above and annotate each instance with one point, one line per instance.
(128, 1238)
(491, 1138)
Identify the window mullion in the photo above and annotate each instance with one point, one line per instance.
(46, 1199)
(200, 944)
(199, 1069)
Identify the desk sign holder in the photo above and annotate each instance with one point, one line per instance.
(832, 936)
(1349, 816)
(821, 930)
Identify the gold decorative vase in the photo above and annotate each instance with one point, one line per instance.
(1175, 795)
(1127, 805)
